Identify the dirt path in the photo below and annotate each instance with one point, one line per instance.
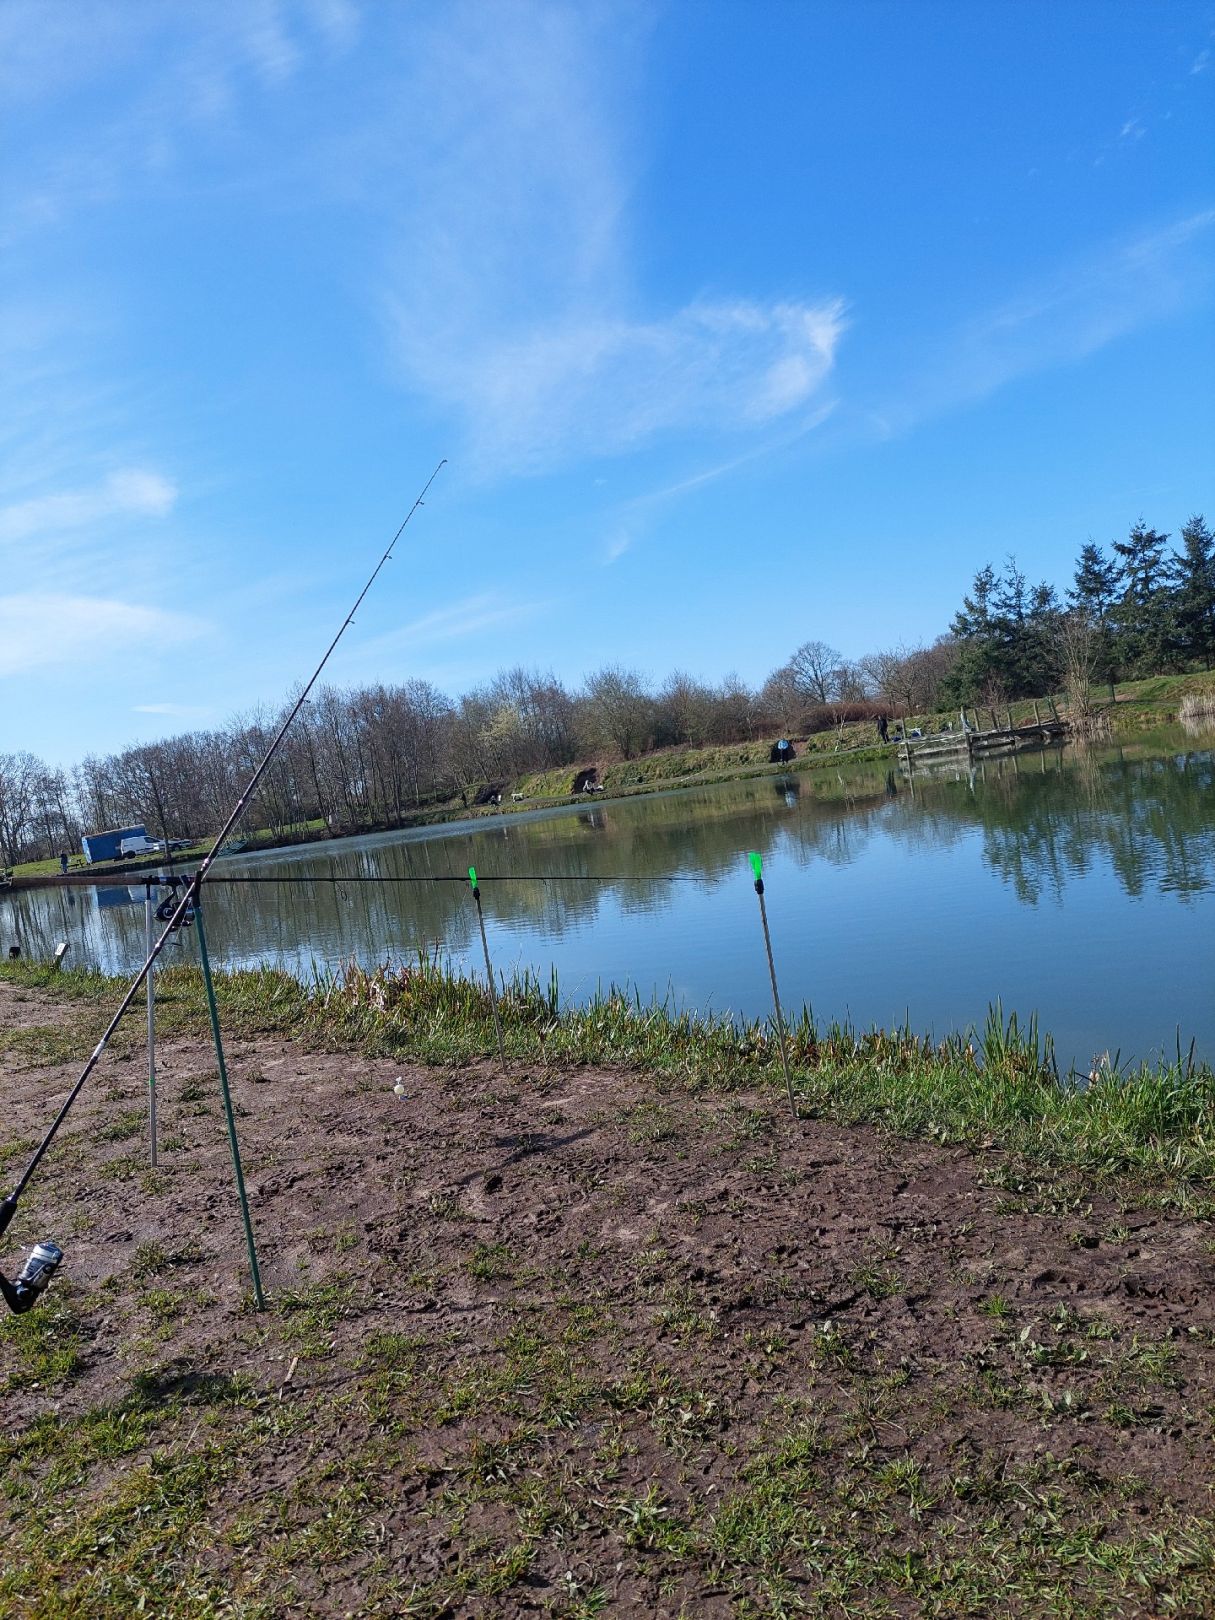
(572, 1343)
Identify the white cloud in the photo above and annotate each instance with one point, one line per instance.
(617, 544)
(132, 492)
(635, 517)
(40, 630)
(178, 711)
(1087, 304)
(1201, 62)
(509, 151)
(466, 618)
(602, 386)
(157, 75)
(513, 304)
(451, 646)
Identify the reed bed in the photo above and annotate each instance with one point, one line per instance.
(1197, 713)
(1198, 708)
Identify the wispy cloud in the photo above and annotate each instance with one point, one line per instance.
(177, 711)
(42, 630)
(191, 67)
(512, 301)
(636, 516)
(602, 385)
(514, 305)
(132, 492)
(1091, 302)
(473, 615)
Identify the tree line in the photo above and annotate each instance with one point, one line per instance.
(369, 756)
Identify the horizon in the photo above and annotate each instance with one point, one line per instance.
(715, 374)
(653, 678)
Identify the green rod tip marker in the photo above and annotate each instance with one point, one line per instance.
(472, 878)
(757, 863)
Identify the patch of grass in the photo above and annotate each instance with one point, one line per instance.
(45, 1342)
(128, 1124)
(41, 1045)
(162, 1304)
(878, 1281)
(996, 1305)
(489, 1261)
(153, 1259)
(650, 1122)
(122, 1168)
(647, 1521)
(309, 1315)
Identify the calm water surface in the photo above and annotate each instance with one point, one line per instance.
(1077, 887)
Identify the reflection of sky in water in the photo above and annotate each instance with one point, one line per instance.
(1082, 892)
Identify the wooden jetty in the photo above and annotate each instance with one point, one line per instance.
(969, 742)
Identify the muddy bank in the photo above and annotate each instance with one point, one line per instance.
(574, 1342)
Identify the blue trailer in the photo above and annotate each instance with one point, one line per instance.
(104, 846)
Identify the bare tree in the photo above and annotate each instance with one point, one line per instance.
(736, 717)
(909, 678)
(816, 667)
(782, 702)
(850, 683)
(619, 710)
(20, 775)
(1078, 647)
(684, 710)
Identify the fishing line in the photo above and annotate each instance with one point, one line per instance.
(412, 877)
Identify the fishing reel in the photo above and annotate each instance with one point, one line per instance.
(169, 905)
(23, 1293)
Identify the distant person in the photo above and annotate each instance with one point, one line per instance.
(63, 863)
(883, 732)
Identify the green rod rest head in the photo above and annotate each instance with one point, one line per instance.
(472, 879)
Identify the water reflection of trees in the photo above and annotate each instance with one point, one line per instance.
(1151, 822)
(1042, 822)
(630, 858)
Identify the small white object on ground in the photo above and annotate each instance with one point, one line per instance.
(398, 1089)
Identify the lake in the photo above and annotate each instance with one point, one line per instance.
(1077, 885)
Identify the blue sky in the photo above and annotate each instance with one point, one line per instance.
(739, 324)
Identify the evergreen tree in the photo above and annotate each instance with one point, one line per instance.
(1026, 621)
(1040, 661)
(1007, 639)
(1145, 628)
(1093, 594)
(973, 629)
(1193, 575)
(1096, 581)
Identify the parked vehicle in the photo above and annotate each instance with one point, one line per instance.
(106, 846)
(140, 845)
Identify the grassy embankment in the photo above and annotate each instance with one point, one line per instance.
(263, 838)
(997, 1085)
(502, 1419)
(1139, 706)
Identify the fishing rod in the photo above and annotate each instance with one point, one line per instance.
(46, 1257)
